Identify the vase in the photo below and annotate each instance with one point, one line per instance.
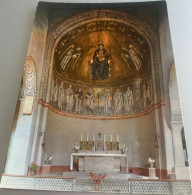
(33, 172)
(97, 187)
(151, 165)
(76, 151)
(122, 152)
(48, 162)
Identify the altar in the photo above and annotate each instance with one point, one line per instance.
(100, 155)
(99, 161)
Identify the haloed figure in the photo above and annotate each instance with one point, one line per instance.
(128, 100)
(55, 93)
(90, 100)
(118, 97)
(107, 101)
(61, 96)
(100, 66)
(78, 100)
(69, 93)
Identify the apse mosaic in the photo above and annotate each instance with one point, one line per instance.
(103, 52)
(97, 101)
(102, 68)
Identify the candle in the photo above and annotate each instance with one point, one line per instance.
(104, 142)
(117, 138)
(87, 137)
(93, 137)
(81, 137)
(111, 138)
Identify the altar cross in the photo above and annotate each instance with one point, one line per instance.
(99, 134)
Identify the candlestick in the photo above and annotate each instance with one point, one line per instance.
(81, 137)
(104, 142)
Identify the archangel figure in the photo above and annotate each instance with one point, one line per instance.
(67, 58)
(69, 93)
(128, 100)
(90, 100)
(76, 56)
(107, 101)
(125, 56)
(78, 100)
(133, 52)
(100, 66)
(61, 96)
(118, 101)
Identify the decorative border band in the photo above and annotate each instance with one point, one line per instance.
(80, 116)
(135, 186)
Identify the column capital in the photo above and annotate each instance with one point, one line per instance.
(177, 126)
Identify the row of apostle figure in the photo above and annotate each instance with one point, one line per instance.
(121, 100)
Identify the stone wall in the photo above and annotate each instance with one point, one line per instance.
(137, 133)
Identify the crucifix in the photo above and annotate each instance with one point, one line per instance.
(99, 134)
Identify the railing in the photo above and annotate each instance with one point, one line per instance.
(133, 186)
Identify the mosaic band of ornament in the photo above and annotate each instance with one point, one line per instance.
(80, 116)
(131, 186)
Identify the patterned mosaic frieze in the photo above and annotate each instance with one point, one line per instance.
(102, 101)
(29, 87)
(108, 186)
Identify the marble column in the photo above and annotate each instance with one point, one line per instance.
(180, 171)
(20, 143)
(177, 144)
(164, 137)
(42, 136)
(40, 130)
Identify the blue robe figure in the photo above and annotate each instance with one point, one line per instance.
(100, 66)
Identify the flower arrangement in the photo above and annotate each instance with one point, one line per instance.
(151, 161)
(123, 148)
(97, 179)
(76, 147)
(43, 145)
(48, 159)
(90, 148)
(156, 145)
(33, 168)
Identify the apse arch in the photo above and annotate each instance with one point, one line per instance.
(143, 28)
(71, 23)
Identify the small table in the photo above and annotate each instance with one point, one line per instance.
(98, 155)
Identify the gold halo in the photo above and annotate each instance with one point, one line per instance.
(100, 43)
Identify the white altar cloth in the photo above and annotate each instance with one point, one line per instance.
(98, 155)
